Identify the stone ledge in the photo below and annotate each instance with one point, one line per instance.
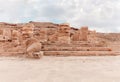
(60, 48)
(80, 53)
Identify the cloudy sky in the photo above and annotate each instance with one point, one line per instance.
(101, 15)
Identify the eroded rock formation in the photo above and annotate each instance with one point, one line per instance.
(35, 39)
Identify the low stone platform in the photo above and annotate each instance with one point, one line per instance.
(81, 53)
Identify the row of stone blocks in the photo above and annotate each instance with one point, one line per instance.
(54, 49)
(75, 45)
(60, 48)
(38, 55)
(80, 53)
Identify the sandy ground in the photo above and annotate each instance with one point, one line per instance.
(60, 69)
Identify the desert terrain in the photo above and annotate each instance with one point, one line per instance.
(60, 69)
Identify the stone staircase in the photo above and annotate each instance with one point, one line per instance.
(77, 49)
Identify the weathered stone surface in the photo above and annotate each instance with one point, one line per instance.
(44, 38)
(5, 34)
(35, 47)
(81, 34)
(79, 53)
(64, 33)
(36, 55)
(42, 35)
(34, 50)
(27, 30)
(16, 37)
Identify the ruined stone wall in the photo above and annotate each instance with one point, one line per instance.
(33, 37)
(81, 34)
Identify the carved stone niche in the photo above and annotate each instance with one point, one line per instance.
(27, 30)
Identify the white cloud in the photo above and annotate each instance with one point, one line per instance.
(102, 15)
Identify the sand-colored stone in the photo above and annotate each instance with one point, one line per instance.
(64, 33)
(27, 30)
(34, 50)
(44, 38)
(81, 34)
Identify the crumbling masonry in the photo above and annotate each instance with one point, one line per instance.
(34, 39)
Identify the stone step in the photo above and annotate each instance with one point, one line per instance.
(59, 48)
(69, 45)
(75, 45)
(117, 52)
(11, 53)
(80, 53)
(83, 44)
